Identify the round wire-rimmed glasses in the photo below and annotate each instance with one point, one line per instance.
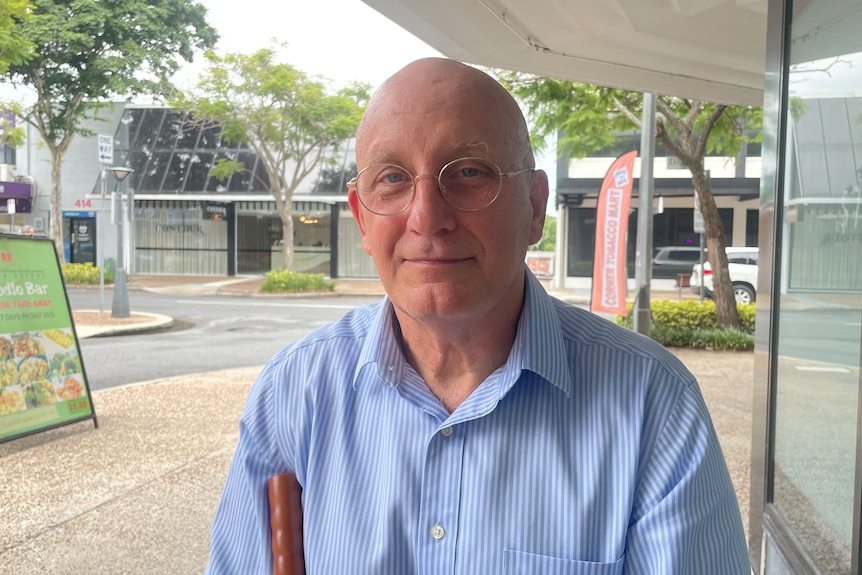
(468, 184)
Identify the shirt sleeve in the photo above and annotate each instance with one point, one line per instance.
(240, 540)
(686, 516)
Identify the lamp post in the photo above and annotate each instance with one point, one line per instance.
(120, 303)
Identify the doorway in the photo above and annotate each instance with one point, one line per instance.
(82, 240)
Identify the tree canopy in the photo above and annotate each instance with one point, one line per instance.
(14, 48)
(293, 121)
(588, 118)
(87, 52)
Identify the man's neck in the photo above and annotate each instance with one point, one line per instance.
(454, 358)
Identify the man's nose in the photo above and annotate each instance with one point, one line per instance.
(430, 212)
(431, 190)
(421, 176)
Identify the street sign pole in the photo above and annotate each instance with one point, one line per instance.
(100, 252)
(106, 157)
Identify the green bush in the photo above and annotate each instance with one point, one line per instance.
(286, 281)
(85, 273)
(690, 323)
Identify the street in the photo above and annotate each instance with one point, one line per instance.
(210, 334)
(214, 333)
(824, 335)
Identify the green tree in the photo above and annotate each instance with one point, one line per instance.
(589, 117)
(90, 51)
(288, 118)
(14, 48)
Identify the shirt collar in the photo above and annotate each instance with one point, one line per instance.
(381, 348)
(545, 351)
(538, 345)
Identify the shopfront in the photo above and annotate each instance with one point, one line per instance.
(195, 237)
(806, 491)
(16, 206)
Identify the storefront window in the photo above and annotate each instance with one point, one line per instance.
(820, 277)
(177, 240)
(260, 241)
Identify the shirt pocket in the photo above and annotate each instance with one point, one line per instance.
(520, 563)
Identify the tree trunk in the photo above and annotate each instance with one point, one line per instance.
(56, 201)
(725, 302)
(286, 214)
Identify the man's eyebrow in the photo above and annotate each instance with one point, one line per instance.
(473, 146)
(382, 157)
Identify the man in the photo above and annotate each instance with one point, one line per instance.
(469, 423)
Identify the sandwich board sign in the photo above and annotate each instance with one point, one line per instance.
(42, 379)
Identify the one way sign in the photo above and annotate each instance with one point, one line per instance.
(106, 149)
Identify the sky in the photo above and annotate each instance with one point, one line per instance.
(343, 40)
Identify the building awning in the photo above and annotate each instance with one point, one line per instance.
(572, 191)
(712, 50)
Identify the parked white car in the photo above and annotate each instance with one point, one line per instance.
(742, 267)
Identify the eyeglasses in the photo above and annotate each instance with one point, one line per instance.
(468, 184)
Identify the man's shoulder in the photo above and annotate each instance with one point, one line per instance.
(586, 333)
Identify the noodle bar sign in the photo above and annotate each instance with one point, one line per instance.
(42, 379)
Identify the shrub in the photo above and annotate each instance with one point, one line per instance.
(85, 273)
(746, 316)
(690, 323)
(286, 281)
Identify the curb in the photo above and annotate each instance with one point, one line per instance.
(157, 322)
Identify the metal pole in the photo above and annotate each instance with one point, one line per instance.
(120, 303)
(560, 247)
(643, 252)
(702, 286)
(100, 252)
(131, 193)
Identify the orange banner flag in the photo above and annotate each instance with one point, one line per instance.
(612, 218)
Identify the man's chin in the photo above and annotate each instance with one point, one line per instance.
(436, 300)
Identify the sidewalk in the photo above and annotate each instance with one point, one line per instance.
(137, 494)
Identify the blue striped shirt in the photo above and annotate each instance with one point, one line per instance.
(589, 452)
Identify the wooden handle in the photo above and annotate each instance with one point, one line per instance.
(285, 517)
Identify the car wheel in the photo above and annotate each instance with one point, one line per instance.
(743, 293)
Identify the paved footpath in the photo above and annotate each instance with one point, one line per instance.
(137, 494)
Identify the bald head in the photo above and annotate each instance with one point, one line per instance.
(434, 86)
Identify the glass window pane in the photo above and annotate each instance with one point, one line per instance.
(820, 310)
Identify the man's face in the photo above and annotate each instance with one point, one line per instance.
(437, 262)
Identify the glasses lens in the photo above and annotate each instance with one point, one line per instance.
(470, 183)
(384, 189)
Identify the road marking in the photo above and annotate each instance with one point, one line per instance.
(246, 303)
(822, 369)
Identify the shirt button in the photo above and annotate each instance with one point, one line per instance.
(438, 532)
(446, 431)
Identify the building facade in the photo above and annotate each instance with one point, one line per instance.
(170, 216)
(734, 183)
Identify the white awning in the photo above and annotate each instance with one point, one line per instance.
(712, 50)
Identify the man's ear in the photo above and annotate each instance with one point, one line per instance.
(539, 202)
(359, 216)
